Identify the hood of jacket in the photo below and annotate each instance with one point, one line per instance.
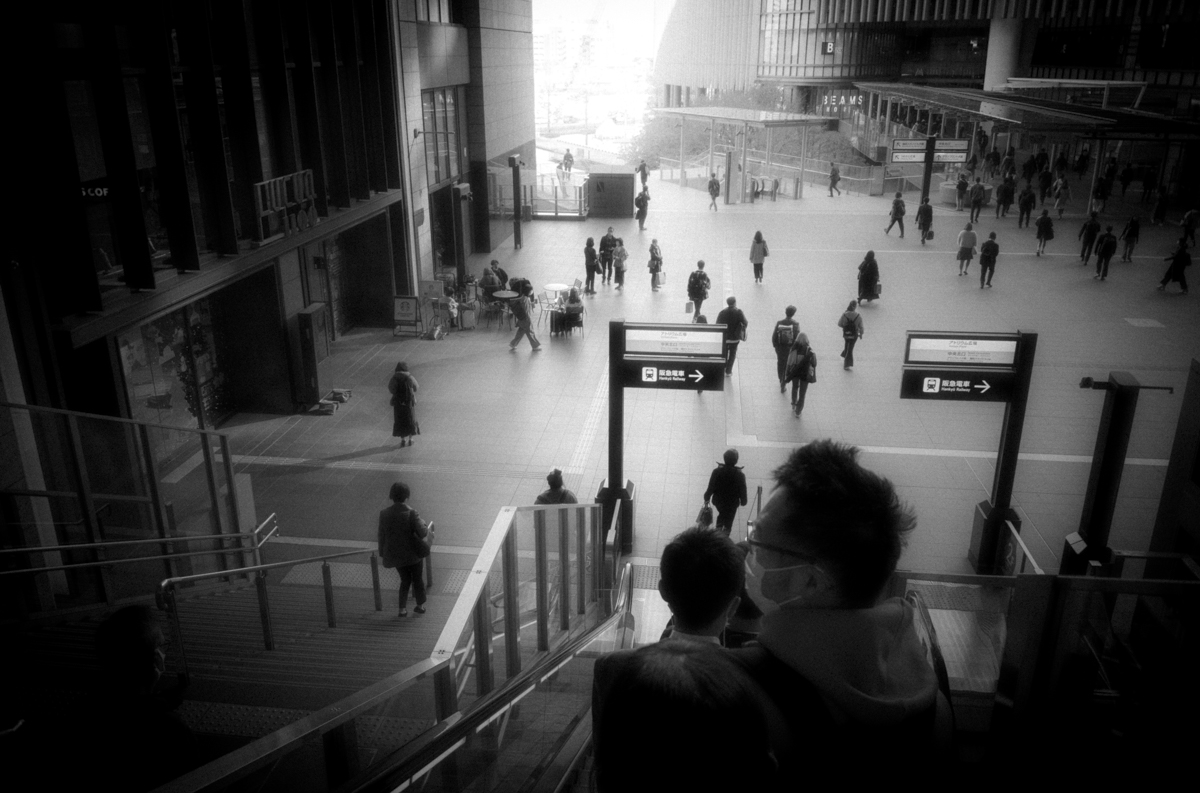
(868, 664)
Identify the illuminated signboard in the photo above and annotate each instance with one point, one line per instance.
(961, 349)
(675, 341)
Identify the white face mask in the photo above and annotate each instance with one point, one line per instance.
(754, 579)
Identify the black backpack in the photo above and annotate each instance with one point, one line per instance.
(785, 334)
(696, 284)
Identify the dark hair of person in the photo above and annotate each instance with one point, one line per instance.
(554, 479)
(992, 236)
(790, 311)
(758, 236)
(701, 574)
(402, 367)
(590, 243)
(853, 304)
(731, 456)
(870, 257)
(399, 492)
(125, 646)
(849, 518)
(682, 716)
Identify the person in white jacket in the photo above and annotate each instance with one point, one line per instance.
(966, 248)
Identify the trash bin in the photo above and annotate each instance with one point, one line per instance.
(526, 212)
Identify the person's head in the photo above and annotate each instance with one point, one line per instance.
(610, 229)
(800, 342)
(870, 257)
(590, 242)
(399, 492)
(968, 227)
(1095, 215)
(853, 305)
(620, 242)
(992, 236)
(731, 301)
(495, 264)
(830, 535)
(1045, 213)
(554, 479)
(682, 715)
(654, 241)
(758, 236)
(899, 194)
(527, 289)
(714, 176)
(402, 367)
(702, 319)
(701, 575)
(131, 649)
(730, 457)
(925, 200)
(978, 180)
(574, 295)
(1108, 229)
(700, 265)
(789, 312)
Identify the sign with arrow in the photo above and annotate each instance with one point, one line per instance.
(968, 385)
(694, 375)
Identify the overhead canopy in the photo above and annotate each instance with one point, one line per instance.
(1017, 111)
(744, 116)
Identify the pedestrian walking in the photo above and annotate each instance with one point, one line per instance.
(404, 542)
(607, 243)
(758, 252)
(1045, 231)
(988, 252)
(714, 192)
(655, 265)
(642, 204)
(1062, 195)
(782, 336)
(966, 248)
(735, 322)
(896, 214)
(1191, 219)
(1045, 183)
(568, 161)
(1180, 260)
(522, 311)
(960, 190)
(1004, 197)
(403, 388)
(1158, 215)
(1025, 205)
(726, 490)
(1130, 234)
(801, 370)
(868, 278)
(1029, 170)
(1088, 232)
(556, 493)
(925, 219)
(697, 288)
(590, 266)
(835, 176)
(1149, 183)
(619, 255)
(1106, 246)
(851, 324)
(978, 196)
(1100, 196)
(1042, 159)
(643, 171)
(1126, 178)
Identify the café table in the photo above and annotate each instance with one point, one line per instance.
(504, 294)
(558, 289)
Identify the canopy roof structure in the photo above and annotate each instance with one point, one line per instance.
(744, 116)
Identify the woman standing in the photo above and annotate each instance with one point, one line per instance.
(591, 264)
(1133, 230)
(868, 278)
(655, 264)
(403, 387)
(966, 248)
(619, 257)
(801, 370)
(758, 252)
(1045, 230)
(852, 330)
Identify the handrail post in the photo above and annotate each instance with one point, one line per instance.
(564, 570)
(429, 559)
(485, 677)
(375, 582)
(512, 604)
(327, 580)
(541, 580)
(581, 560)
(172, 607)
(264, 609)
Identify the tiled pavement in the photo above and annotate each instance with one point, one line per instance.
(494, 422)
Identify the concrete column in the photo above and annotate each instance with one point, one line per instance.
(1003, 52)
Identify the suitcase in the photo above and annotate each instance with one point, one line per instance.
(466, 317)
(878, 288)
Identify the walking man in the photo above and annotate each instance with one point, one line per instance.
(782, 336)
(852, 330)
(607, 243)
(924, 218)
(402, 534)
(522, 311)
(1133, 230)
(642, 171)
(642, 205)
(726, 490)
(1106, 246)
(1026, 203)
(734, 320)
(568, 161)
(1180, 260)
(897, 214)
(988, 252)
(978, 196)
(697, 288)
(714, 192)
(1088, 233)
(835, 176)
(960, 191)
(1190, 220)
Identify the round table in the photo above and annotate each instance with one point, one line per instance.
(504, 294)
(558, 289)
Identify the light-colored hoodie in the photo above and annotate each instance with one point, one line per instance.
(868, 664)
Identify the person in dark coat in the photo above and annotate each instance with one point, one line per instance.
(735, 322)
(642, 205)
(1004, 197)
(557, 494)
(1045, 182)
(501, 275)
(643, 171)
(852, 330)
(608, 244)
(801, 362)
(1045, 231)
(1026, 203)
(782, 336)
(590, 265)
(1106, 246)
(726, 490)
(868, 278)
(1088, 232)
(1180, 260)
(1126, 178)
(896, 214)
(835, 176)
(960, 190)
(400, 531)
(403, 388)
(989, 251)
(1131, 232)
(924, 218)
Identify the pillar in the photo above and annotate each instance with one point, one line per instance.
(1003, 53)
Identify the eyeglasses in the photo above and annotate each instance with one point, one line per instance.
(753, 539)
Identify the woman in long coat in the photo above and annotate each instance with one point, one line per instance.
(868, 277)
(758, 252)
(591, 263)
(801, 361)
(403, 387)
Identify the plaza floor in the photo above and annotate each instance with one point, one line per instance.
(494, 422)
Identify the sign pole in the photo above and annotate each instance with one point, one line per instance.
(927, 177)
(616, 405)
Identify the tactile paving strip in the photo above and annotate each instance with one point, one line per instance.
(344, 574)
(455, 581)
(645, 577)
(246, 721)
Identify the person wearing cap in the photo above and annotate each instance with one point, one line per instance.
(726, 490)
(557, 494)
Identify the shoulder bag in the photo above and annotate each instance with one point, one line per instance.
(421, 545)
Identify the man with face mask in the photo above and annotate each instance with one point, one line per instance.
(845, 665)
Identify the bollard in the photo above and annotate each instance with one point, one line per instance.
(327, 579)
(375, 582)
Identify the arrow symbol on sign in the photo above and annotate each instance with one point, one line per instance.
(696, 376)
(984, 388)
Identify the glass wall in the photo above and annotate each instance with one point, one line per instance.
(440, 110)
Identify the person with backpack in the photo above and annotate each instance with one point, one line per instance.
(590, 266)
(896, 214)
(960, 190)
(988, 252)
(697, 288)
(835, 176)
(642, 205)
(758, 252)
(801, 370)
(852, 330)
(782, 336)
(925, 219)
(403, 388)
(1026, 203)
(978, 196)
(1088, 233)
(1106, 246)
(656, 264)
(735, 322)
(1045, 231)
(1130, 234)
(403, 544)
(714, 192)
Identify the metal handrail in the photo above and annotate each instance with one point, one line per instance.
(1024, 548)
(87, 546)
(130, 560)
(116, 419)
(170, 583)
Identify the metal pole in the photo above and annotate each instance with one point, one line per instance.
(927, 176)
(512, 605)
(1101, 145)
(803, 161)
(712, 140)
(541, 580)
(682, 175)
(375, 583)
(327, 579)
(580, 561)
(172, 607)
(745, 146)
(264, 609)
(485, 676)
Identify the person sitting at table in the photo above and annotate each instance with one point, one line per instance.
(574, 309)
(489, 283)
(500, 273)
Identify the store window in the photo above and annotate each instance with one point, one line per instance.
(443, 11)
(440, 113)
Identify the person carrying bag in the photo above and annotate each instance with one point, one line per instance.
(404, 542)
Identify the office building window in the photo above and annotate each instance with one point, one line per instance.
(440, 112)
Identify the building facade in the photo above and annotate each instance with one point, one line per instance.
(214, 190)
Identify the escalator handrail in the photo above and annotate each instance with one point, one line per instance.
(445, 737)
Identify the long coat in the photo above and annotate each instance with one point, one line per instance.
(399, 529)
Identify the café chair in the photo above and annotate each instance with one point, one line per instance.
(546, 301)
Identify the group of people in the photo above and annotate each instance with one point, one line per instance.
(784, 657)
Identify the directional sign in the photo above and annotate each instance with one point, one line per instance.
(675, 340)
(961, 349)
(949, 156)
(691, 374)
(908, 144)
(908, 156)
(968, 385)
(952, 144)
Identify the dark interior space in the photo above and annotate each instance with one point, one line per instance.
(367, 265)
(256, 356)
